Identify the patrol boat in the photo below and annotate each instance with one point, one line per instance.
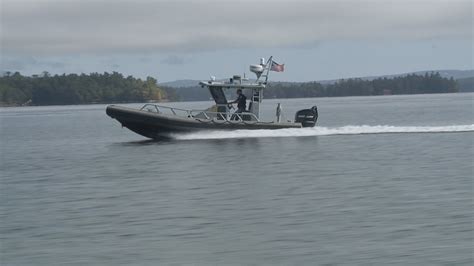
(158, 121)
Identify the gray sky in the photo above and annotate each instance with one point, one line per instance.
(194, 39)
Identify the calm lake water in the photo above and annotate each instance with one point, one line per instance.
(380, 180)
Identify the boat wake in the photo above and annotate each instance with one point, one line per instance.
(323, 131)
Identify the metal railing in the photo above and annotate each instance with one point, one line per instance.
(201, 114)
(159, 109)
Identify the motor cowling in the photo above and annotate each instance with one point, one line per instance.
(307, 117)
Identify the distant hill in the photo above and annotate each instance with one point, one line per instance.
(189, 90)
(456, 74)
(432, 82)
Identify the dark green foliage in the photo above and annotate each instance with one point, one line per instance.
(466, 84)
(77, 89)
(16, 89)
(410, 84)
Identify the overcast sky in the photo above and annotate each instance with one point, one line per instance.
(185, 39)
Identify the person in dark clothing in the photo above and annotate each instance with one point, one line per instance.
(241, 101)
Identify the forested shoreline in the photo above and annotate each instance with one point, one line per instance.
(46, 89)
(409, 84)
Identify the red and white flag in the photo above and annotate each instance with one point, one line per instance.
(277, 67)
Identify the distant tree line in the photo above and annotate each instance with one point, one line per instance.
(16, 89)
(466, 84)
(45, 89)
(410, 84)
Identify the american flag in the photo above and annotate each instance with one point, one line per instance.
(277, 67)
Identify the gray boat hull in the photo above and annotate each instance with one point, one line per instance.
(157, 125)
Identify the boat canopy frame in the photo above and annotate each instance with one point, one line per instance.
(216, 89)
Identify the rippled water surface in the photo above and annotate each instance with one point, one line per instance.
(380, 180)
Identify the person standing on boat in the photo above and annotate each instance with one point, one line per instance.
(241, 101)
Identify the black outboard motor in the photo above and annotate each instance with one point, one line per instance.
(307, 117)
